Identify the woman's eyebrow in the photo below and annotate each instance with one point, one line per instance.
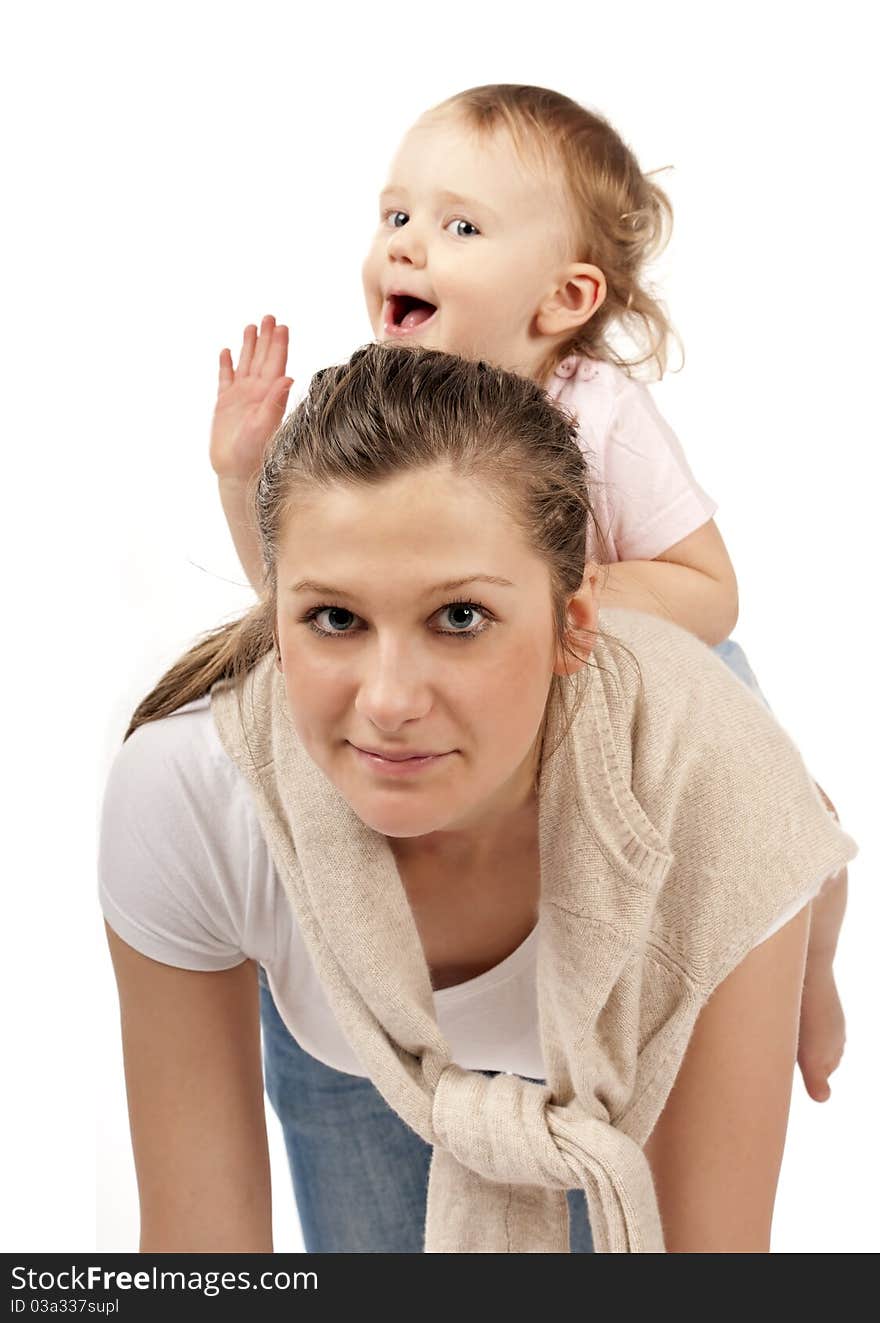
(326, 590)
(471, 578)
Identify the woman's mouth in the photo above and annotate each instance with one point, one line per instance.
(402, 314)
(397, 764)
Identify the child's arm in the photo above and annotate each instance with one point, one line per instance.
(251, 400)
(692, 583)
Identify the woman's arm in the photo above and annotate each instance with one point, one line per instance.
(716, 1149)
(191, 1043)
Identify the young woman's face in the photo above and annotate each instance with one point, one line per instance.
(415, 630)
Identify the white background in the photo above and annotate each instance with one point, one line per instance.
(175, 171)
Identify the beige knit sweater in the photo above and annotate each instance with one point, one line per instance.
(677, 820)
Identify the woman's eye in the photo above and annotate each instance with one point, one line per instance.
(396, 219)
(466, 230)
(462, 618)
(332, 620)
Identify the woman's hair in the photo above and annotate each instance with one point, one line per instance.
(393, 409)
(619, 219)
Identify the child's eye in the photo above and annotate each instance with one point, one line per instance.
(395, 219)
(465, 232)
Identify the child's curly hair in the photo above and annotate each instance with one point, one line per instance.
(621, 220)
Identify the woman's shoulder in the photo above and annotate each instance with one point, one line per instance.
(179, 844)
(173, 784)
(645, 660)
(722, 784)
(175, 753)
(689, 736)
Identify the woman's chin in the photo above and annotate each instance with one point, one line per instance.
(403, 819)
(398, 825)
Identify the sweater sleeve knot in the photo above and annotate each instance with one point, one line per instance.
(508, 1130)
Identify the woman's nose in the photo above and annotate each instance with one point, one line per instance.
(407, 245)
(393, 689)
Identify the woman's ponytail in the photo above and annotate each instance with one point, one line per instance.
(226, 653)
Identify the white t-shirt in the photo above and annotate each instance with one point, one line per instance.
(186, 878)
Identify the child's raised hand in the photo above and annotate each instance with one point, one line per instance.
(251, 400)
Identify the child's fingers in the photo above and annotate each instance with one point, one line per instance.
(275, 402)
(279, 393)
(276, 359)
(247, 350)
(227, 375)
(267, 328)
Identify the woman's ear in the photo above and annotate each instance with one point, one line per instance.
(581, 623)
(580, 293)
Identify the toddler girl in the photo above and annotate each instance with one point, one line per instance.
(516, 227)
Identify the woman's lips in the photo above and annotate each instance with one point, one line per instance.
(398, 764)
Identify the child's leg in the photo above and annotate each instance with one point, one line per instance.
(735, 659)
(822, 1032)
(823, 1025)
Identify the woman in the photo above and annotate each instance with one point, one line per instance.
(475, 843)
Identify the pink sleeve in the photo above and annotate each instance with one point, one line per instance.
(652, 497)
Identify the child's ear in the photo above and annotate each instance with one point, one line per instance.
(581, 291)
(581, 622)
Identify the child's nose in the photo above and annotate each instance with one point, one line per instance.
(407, 245)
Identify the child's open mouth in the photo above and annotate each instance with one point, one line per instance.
(403, 314)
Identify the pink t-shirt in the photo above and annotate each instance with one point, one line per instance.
(644, 495)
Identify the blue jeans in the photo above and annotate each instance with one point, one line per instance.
(360, 1175)
(734, 657)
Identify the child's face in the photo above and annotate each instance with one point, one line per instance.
(471, 232)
